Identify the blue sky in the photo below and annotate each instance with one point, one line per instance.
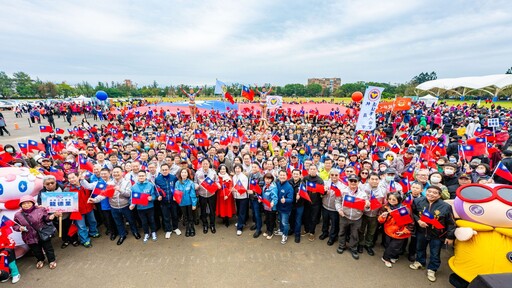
(253, 41)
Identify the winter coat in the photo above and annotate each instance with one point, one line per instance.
(37, 217)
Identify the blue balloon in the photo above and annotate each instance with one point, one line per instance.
(101, 95)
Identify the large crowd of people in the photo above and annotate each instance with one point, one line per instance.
(294, 175)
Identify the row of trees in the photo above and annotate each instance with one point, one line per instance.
(22, 85)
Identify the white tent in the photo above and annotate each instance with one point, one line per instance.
(82, 99)
(491, 84)
(429, 100)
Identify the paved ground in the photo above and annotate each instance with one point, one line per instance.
(220, 260)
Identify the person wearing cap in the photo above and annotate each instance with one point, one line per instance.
(316, 159)
(29, 220)
(390, 181)
(404, 161)
(351, 218)
(451, 178)
(464, 179)
(507, 162)
(432, 235)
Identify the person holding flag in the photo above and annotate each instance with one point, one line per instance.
(239, 191)
(351, 215)
(86, 222)
(185, 195)
(119, 205)
(145, 212)
(269, 199)
(255, 189)
(440, 229)
(298, 204)
(207, 183)
(100, 197)
(284, 205)
(164, 184)
(225, 201)
(330, 216)
(369, 222)
(398, 226)
(312, 209)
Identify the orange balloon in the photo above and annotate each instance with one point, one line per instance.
(357, 96)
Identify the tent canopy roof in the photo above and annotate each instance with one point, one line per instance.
(498, 81)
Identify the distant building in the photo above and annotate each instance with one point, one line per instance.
(128, 83)
(329, 83)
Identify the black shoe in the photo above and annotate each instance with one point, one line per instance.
(253, 227)
(354, 253)
(297, 239)
(107, 232)
(187, 232)
(340, 250)
(121, 240)
(136, 235)
(213, 229)
(256, 234)
(113, 237)
(411, 258)
(370, 251)
(193, 231)
(359, 249)
(205, 229)
(323, 236)
(330, 242)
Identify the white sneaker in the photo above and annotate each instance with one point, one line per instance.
(6, 279)
(431, 275)
(177, 231)
(278, 233)
(168, 235)
(387, 263)
(16, 278)
(416, 265)
(146, 238)
(393, 260)
(284, 239)
(238, 232)
(153, 236)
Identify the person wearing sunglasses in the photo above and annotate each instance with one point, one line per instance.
(439, 230)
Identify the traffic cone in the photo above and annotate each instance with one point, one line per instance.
(16, 126)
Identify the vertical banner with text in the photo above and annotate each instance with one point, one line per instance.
(366, 120)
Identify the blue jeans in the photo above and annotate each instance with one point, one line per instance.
(284, 223)
(118, 215)
(170, 215)
(257, 214)
(241, 212)
(83, 230)
(435, 251)
(298, 220)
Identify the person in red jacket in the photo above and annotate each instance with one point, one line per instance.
(395, 234)
(85, 209)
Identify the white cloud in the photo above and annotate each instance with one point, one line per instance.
(253, 41)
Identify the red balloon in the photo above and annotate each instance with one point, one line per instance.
(357, 96)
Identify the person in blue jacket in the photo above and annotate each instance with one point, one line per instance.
(269, 194)
(166, 181)
(188, 202)
(105, 205)
(284, 205)
(146, 212)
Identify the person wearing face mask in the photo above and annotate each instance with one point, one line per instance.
(390, 181)
(482, 171)
(451, 178)
(435, 179)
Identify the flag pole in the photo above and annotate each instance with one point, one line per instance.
(496, 168)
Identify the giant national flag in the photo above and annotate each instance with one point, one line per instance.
(366, 120)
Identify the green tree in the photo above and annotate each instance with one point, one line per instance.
(23, 84)
(47, 90)
(294, 90)
(84, 89)
(6, 85)
(314, 89)
(423, 77)
(347, 89)
(65, 89)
